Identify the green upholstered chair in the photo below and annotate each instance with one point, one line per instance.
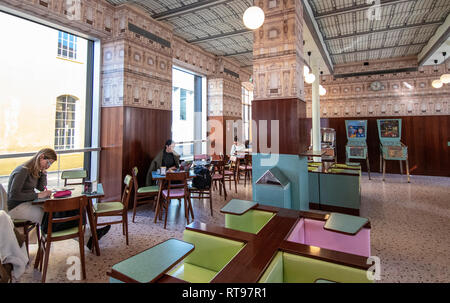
(108, 209)
(142, 195)
(25, 225)
(209, 257)
(290, 268)
(73, 174)
(62, 205)
(252, 221)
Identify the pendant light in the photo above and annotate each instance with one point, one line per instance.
(436, 83)
(253, 17)
(310, 78)
(445, 78)
(322, 90)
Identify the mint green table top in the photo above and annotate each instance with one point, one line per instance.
(238, 207)
(345, 223)
(150, 264)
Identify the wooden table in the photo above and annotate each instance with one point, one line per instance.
(252, 260)
(78, 191)
(161, 179)
(158, 260)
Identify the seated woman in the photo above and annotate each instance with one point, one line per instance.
(22, 182)
(21, 190)
(166, 157)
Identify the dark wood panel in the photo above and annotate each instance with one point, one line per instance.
(222, 135)
(145, 133)
(291, 131)
(130, 136)
(111, 142)
(425, 136)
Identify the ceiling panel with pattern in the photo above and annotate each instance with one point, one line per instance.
(398, 28)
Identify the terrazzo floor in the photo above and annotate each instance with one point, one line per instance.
(410, 232)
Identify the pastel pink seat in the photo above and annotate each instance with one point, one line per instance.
(174, 193)
(311, 232)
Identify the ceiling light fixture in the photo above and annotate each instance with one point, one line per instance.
(253, 17)
(445, 78)
(436, 83)
(310, 78)
(322, 90)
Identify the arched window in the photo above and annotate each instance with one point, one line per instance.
(65, 122)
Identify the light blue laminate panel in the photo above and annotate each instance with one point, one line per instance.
(345, 223)
(340, 190)
(294, 167)
(238, 207)
(148, 265)
(314, 187)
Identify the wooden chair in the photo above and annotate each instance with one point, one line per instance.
(245, 168)
(73, 174)
(177, 191)
(201, 157)
(46, 239)
(230, 172)
(110, 209)
(142, 195)
(27, 226)
(219, 176)
(204, 193)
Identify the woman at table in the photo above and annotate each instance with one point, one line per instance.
(22, 183)
(166, 157)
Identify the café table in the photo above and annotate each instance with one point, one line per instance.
(151, 264)
(161, 180)
(77, 190)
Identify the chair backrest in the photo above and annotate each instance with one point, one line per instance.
(219, 166)
(64, 205)
(201, 157)
(128, 181)
(73, 174)
(134, 172)
(3, 199)
(247, 160)
(176, 176)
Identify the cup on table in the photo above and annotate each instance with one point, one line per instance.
(163, 170)
(87, 186)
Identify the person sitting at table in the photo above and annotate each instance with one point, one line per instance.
(23, 180)
(22, 183)
(166, 157)
(236, 147)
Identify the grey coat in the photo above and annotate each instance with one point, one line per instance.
(156, 163)
(21, 186)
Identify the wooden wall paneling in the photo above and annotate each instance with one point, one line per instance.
(111, 141)
(286, 112)
(425, 136)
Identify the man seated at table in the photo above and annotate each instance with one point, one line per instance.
(236, 147)
(166, 157)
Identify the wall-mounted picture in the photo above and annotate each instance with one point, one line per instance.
(356, 129)
(389, 128)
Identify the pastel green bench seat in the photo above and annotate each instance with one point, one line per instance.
(210, 256)
(252, 221)
(290, 268)
(148, 189)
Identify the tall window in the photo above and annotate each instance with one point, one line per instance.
(65, 122)
(247, 97)
(67, 45)
(182, 104)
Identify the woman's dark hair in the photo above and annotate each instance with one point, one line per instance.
(235, 138)
(168, 142)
